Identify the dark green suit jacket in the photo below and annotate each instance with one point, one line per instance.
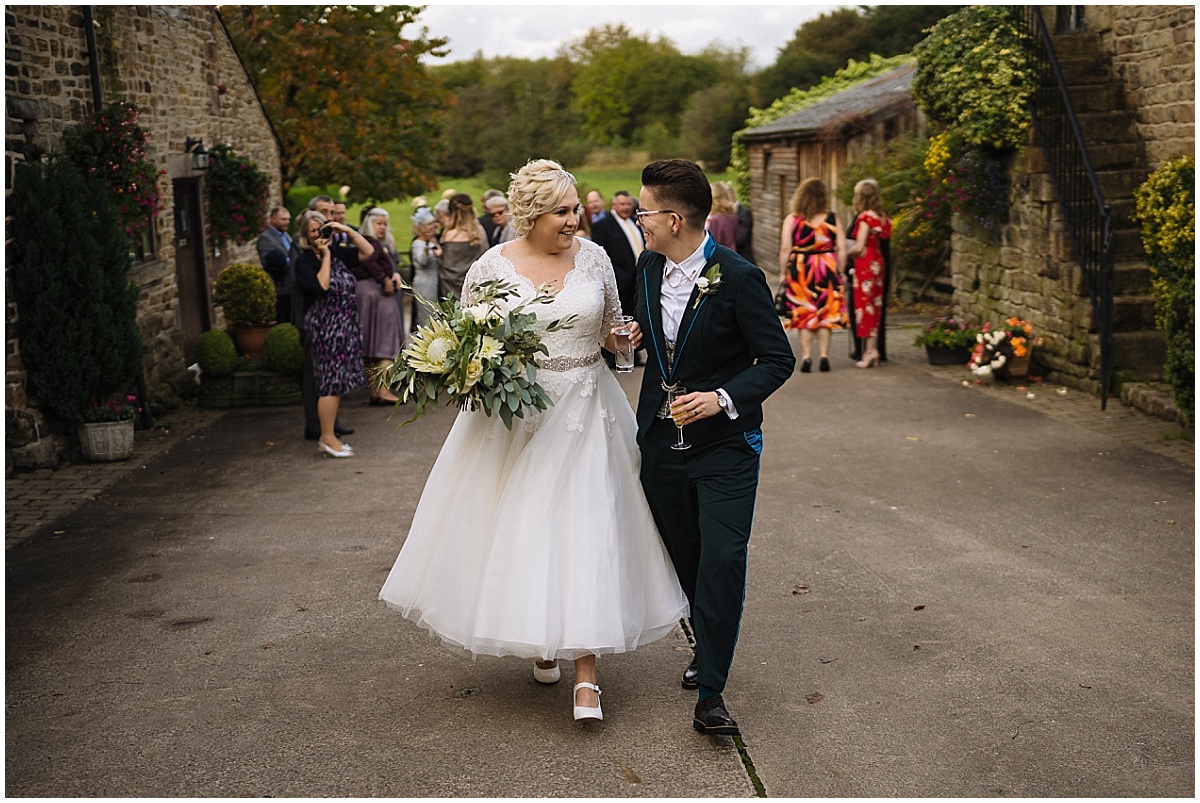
(732, 339)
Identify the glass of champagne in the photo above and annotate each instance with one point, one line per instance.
(674, 392)
(624, 357)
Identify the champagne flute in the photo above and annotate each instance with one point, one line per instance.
(674, 392)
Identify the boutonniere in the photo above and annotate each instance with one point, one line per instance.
(710, 282)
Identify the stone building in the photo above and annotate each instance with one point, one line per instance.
(178, 66)
(818, 141)
(1130, 74)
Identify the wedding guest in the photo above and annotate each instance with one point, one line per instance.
(812, 262)
(722, 222)
(424, 254)
(379, 315)
(322, 204)
(720, 344)
(871, 228)
(485, 220)
(745, 232)
(273, 246)
(536, 541)
(332, 338)
(463, 242)
(502, 230)
(594, 206)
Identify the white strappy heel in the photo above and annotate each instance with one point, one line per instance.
(585, 714)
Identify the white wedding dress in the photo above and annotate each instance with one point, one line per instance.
(537, 541)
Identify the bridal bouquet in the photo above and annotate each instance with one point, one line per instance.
(481, 355)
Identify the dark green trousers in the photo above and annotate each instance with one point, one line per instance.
(703, 503)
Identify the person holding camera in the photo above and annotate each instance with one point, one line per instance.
(332, 336)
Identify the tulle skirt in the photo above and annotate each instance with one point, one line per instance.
(538, 542)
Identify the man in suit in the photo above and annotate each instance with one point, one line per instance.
(274, 245)
(618, 234)
(595, 206)
(707, 319)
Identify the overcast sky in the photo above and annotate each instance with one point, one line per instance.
(535, 31)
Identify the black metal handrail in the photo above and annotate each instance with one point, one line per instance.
(1089, 219)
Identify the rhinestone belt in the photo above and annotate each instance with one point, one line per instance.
(567, 363)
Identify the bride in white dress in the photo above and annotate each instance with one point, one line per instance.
(537, 541)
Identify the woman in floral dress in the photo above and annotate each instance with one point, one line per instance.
(812, 260)
(332, 336)
(870, 271)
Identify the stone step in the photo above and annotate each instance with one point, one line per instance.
(1075, 45)
(1131, 278)
(1093, 70)
(1108, 126)
(1133, 313)
(1115, 155)
(1096, 97)
(1127, 245)
(1119, 184)
(1137, 355)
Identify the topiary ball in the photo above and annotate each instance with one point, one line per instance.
(246, 293)
(216, 354)
(282, 351)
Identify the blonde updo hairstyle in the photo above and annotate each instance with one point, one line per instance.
(536, 189)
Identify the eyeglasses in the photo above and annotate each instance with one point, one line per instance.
(499, 212)
(642, 214)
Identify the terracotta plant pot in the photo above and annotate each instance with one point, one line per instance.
(250, 338)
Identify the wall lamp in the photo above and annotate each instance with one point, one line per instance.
(199, 153)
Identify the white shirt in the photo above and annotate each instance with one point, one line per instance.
(674, 299)
(631, 233)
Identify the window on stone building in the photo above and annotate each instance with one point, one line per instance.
(1069, 19)
(145, 249)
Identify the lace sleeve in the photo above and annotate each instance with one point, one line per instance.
(602, 266)
(483, 269)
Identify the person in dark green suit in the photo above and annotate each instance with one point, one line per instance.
(708, 321)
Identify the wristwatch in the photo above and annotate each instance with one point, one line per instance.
(724, 405)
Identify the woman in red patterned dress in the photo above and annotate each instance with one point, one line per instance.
(812, 261)
(870, 271)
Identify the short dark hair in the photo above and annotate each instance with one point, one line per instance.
(622, 194)
(682, 184)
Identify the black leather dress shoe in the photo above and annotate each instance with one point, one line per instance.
(711, 718)
(690, 676)
(338, 429)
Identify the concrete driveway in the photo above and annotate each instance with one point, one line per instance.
(953, 592)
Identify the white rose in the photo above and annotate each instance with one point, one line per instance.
(702, 283)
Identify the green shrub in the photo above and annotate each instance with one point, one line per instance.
(1166, 209)
(282, 352)
(68, 270)
(216, 354)
(974, 76)
(246, 293)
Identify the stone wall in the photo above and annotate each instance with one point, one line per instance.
(1027, 267)
(177, 65)
(1154, 54)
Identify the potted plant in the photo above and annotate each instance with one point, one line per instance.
(230, 380)
(247, 295)
(1005, 351)
(106, 432)
(947, 341)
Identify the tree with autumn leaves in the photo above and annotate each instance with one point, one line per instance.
(347, 93)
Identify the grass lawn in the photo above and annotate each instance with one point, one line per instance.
(400, 212)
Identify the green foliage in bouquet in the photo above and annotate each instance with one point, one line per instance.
(282, 352)
(216, 354)
(246, 294)
(481, 355)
